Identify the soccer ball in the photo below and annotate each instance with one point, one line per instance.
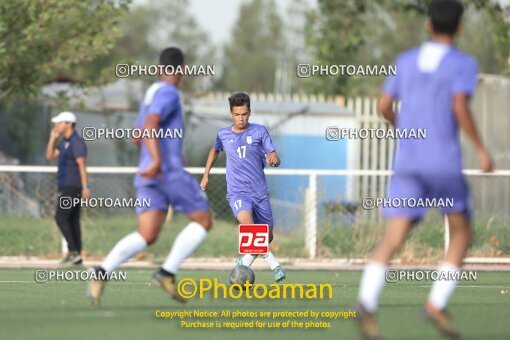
(241, 274)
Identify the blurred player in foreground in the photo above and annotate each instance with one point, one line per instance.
(434, 83)
(161, 179)
(248, 148)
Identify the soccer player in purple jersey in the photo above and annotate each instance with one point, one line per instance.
(248, 148)
(161, 179)
(434, 83)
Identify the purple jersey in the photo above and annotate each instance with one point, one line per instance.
(162, 99)
(245, 159)
(427, 79)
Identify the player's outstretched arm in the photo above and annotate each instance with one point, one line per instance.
(386, 107)
(152, 145)
(272, 159)
(211, 159)
(465, 120)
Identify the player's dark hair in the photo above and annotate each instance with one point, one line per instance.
(445, 16)
(239, 99)
(171, 56)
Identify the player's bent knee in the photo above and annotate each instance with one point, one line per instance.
(207, 224)
(148, 235)
(204, 218)
(245, 217)
(150, 239)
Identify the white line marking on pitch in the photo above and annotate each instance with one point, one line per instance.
(150, 284)
(43, 283)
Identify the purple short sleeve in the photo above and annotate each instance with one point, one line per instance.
(391, 84)
(217, 144)
(267, 143)
(162, 101)
(467, 79)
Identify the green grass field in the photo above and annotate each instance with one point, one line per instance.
(24, 236)
(59, 310)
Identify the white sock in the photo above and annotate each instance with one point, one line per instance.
(442, 290)
(248, 259)
(271, 260)
(371, 286)
(184, 245)
(127, 247)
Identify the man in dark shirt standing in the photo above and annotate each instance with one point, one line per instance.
(71, 180)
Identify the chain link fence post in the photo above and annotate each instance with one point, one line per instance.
(311, 217)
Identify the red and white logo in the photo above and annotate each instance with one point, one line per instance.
(253, 239)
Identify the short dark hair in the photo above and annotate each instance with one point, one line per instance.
(445, 16)
(171, 56)
(239, 99)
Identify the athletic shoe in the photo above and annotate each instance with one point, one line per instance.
(167, 283)
(279, 274)
(96, 286)
(441, 319)
(73, 258)
(366, 323)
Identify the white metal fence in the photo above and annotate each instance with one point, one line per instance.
(317, 213)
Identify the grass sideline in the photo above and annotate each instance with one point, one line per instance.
(59, 310)
(40, 237)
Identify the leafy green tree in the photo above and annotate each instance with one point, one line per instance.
(130, 47)
(337, 33)
(256, 45)
(485, 34)
(145, 31)
(374, 32)
(173, 24)
(41, 38)
(297, 50)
